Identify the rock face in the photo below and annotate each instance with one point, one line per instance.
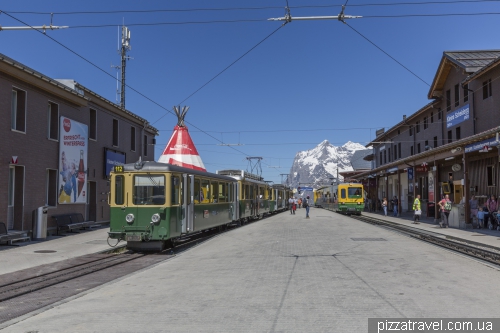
(315, 167)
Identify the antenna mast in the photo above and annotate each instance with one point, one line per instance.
(125, 47)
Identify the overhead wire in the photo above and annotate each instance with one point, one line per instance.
(249, 8)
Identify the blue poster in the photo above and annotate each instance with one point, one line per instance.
(458, 116)
(113, 158)
(410, 174)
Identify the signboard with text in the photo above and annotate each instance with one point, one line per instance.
(457, 116)
(112, 158)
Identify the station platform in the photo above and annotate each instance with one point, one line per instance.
(285, 273)
(55, 248)
(478, 237)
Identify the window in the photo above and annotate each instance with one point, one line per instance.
(417, 127)
(448, 100)
(426, 145)
(93, 125)
(214, 189)
(145, 145)
(176, 190)
(398, 132)
(411, 150)
(450, 139)
(457, 133)
(439, 114)
(487, 89)
(385, 156)
(395, 152)
(205, 191)
(149, 190)
(432, 117)
(18, 110)
(457, 95)
(132, 138)
(389, 153)
(247, 192)
(435, 142)
(466, 93)
(51, 188)
(418, 148)
(399, 149)
(223, 192)
(490, 172)
(342, 193)
(53, 120)
(381, 158)
(115, 132)
(411, 130)
(425, 123)
(119, 190)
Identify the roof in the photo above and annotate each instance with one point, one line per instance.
(483, 70)
(469, 61)
(151, 166)
(358, 162)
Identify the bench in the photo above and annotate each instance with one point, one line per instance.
(69, 222)
(9, 238)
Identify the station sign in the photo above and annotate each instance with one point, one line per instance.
(458, 116)
(480, 145)
(304, 188)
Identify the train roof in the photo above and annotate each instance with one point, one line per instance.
(242, 175)
(151, 166)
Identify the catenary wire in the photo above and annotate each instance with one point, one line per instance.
(250, 8)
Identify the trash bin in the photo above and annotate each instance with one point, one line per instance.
(430, 209)
(40, 223)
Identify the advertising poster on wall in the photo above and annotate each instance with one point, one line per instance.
(73, 146)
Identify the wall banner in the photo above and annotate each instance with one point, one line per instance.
(73, 149)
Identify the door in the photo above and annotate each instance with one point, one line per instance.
(187, 203)
(17, 207)
(91, 201)
(10, 199)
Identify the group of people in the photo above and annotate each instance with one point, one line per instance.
(483, 213)
(293, 203)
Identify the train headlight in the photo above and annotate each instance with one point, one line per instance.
(130, 218)
(155, 218)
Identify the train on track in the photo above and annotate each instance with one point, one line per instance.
(347, 198)
(154, 205)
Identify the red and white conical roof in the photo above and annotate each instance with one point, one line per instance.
(180, 149)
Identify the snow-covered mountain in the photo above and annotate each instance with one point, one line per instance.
(315, 167)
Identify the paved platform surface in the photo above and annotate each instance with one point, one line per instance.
(23, 254)
(285, 273)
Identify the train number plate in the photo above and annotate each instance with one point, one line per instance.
(133, 238)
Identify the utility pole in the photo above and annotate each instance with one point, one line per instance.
(125, 47)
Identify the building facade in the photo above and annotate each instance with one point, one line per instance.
(449, 145)
(47, 163)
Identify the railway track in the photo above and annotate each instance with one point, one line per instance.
(476, 252)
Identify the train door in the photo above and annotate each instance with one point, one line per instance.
(187, 203)
(235, 200)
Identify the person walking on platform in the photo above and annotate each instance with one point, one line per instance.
(417, 209)
(305, 204)
(384, 206)
(294, 206)
(445, 206)
(395, 203)
(290, 204)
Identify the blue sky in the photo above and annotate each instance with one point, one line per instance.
(309, 81)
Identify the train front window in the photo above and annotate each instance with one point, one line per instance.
(149, 190)
(354, 192)
(119, 190)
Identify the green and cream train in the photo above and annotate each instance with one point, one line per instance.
(154, 205)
